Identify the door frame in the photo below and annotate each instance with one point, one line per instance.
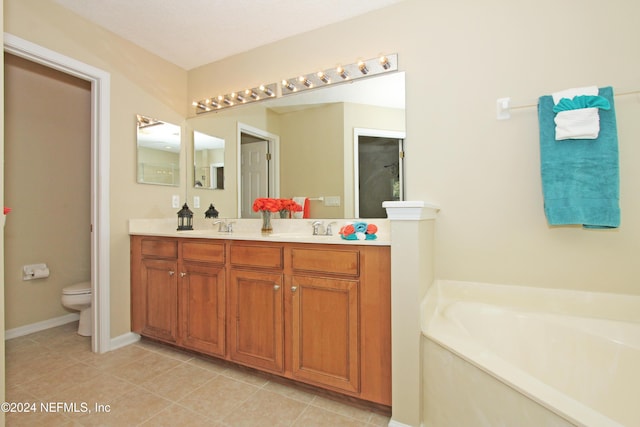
(100, 162)
(274, 169)
(379, 133)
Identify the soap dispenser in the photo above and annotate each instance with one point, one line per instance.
(211, 212)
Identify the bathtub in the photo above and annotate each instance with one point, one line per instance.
(497, 355)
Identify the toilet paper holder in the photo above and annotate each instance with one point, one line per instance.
(35, 271)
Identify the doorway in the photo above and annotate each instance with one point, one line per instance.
(258, 167)
(379, 170)
(100, 125)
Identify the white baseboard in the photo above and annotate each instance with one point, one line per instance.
(124, 340)
(40, 326)
(393, 423)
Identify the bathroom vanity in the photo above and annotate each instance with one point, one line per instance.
(314, 310)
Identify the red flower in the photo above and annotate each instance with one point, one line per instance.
(266, 204)
(290, 205)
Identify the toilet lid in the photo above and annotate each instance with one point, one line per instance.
(77, 289)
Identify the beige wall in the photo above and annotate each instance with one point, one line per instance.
(140, 83)
(311, 147)
(47, 184)
(459, 57)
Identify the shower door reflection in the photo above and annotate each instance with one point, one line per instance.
(380, 171)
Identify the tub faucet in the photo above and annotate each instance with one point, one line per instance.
(224, 226)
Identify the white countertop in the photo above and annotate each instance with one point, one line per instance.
(284, 230)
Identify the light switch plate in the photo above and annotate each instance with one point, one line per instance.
(175, 201)
(196, 201)
(332, 200)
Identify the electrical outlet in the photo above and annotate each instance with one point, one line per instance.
(175, 201)
(196, 201)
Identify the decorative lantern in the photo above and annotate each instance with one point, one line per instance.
(185, 218)
(211, 212)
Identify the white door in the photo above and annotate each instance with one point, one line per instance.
(254, 175)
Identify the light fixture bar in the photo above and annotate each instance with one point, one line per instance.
(342, 73)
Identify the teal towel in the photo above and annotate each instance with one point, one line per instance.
(582, 101)
(355, 237)
(580, 177)
(360, 227)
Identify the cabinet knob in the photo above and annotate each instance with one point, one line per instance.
(183, 274)
(276, 287)
(294, 288)
(171, 273)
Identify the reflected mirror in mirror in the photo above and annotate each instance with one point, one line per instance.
(208, 159)
(315, 153)
(158, 148)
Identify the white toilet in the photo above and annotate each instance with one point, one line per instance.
(78, 297)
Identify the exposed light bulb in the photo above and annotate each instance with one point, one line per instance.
(342, 73)
(266, 90)
(323, 77)
(363, 67)
(305, 81)
(288, 85)
(384, 61)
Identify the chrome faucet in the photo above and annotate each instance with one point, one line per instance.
(328, 231)
(320, 230)
(224, 226)
(317, 226)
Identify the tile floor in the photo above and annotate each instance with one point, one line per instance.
(148, 384)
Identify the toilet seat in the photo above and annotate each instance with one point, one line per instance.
(82, 288)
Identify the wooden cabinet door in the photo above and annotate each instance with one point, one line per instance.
(159, 299)
(325, 326)
(256, 319)
(202, 308)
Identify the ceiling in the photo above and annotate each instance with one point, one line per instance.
(191, 33)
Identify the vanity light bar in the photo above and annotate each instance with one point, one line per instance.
(235, 98)
(340, 74)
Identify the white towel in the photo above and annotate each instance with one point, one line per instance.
(299, 200)
(573, 92)
(583, 123)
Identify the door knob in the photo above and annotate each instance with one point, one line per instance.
(171, 273)
(183, 274)
(294, 288)
(276, 287)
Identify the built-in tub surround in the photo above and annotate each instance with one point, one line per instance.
(284, 230)
(512, 355)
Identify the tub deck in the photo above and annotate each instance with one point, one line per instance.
(577, 354)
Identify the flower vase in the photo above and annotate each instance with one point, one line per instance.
(284, 213)
(266, 222)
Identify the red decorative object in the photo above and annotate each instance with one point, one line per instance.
(7, 210)
(290, 205)
(266, 204)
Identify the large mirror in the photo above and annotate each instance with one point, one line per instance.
(306, 146)
(158, 152)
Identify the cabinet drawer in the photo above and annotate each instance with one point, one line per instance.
(162, 248)
(203, 251)
(256, 256)
(345, 262)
